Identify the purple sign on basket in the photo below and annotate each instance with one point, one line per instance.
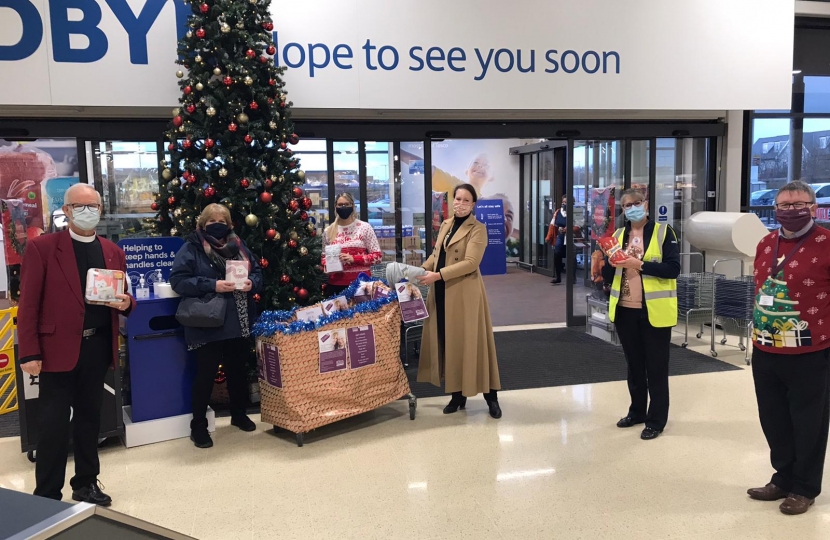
(333, 352)
(361, 346)
(271, 365)
(411, 302)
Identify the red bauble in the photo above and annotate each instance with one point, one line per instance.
(292, 165)
(268, 26)
(270, 234)
(270, 101)
(294, 138)
(265, 197)
(297, 192)
(210, 192)
(303, 216)
(232, 127)
(178, 121)
(283, 145)
(302, 294)
(323, 287)
(257, 298)
(187, 143)
(204, 8)
(306, 203)
(294, 206)
(244, 183)
(171, 147)
(171, 201)
(271, 50)
(254, 106)
(282, 104)
(227, 81)
(200, 33)
(292, 244)
(209, 143)
(284, 279)
(191, 179)
(187, 90)
(296, 289)
(154, 206)
(191, 108)
(263, 60)
(250, 53)
(248, 139)
(263, 262)
(272, 82)
(313, 233)
(269, 184)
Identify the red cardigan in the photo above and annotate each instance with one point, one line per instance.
(50, 316)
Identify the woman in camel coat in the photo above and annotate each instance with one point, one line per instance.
(457, 344)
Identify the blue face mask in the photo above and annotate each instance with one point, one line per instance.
(635, 213)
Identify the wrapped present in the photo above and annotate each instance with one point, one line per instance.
(762, 337)
(797, 334)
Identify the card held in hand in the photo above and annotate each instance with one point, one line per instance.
(102, 285)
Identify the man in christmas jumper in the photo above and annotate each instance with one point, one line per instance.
(791, 339)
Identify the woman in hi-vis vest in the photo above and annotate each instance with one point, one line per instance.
(643, 307)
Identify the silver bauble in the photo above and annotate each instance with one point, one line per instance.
(223, 172)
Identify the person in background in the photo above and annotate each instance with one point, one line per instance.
(791, 349)
(643, 307)
(198, 271)
(457, 343)
(556, 238)
(70, 344)
(359, 247)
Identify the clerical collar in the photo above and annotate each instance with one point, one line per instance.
(79, 238)
(807, 228)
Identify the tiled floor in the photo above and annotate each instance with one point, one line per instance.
(554, 467)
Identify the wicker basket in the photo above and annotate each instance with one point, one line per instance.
(308, 399)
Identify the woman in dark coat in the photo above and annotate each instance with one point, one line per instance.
(199, 270)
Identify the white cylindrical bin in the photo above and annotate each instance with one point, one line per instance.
(725, 235)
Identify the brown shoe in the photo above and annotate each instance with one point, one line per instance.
(795, 505)
(769, 492)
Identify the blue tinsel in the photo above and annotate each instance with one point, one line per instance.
(271, 322)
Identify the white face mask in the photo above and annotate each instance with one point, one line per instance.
(85, 219)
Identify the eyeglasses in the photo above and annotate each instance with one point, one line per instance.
(794, 206)
(633, 204)
(81, 207)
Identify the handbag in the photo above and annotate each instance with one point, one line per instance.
(204, 312)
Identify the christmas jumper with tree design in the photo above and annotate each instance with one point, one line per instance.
(792, 308)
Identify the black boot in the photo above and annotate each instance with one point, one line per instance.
(458, 401)
(242, 421)
(199, 433)
(492, 400)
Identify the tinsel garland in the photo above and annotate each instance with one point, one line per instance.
(271, 322)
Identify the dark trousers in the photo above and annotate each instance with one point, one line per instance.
(646, 351)
(793, 393)
(559, 261)
(231, 355)
(78, 392)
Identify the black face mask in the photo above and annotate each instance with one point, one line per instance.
(345, 212)
(564, 207)
(220, 231)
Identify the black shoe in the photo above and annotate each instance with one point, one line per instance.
(650, 433)
(92, 494)
(455, 404)
(243, 422)
(627, 422)
(556, 281)
(495, 410)
(199, 434)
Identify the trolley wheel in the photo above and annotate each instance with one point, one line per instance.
(300, 440)
(684, 345)
(742, 347)
(714, 354)
(699, 335)
(31, 455)
(723, 341)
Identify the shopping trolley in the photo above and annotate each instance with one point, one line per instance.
(734, 304)
(695, 298)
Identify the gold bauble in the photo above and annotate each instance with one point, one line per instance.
(225, 28)
(293, 235)
(251, 220)
(189, 34)
(167, 174)
(223, 172)
(198, 58)
(310, 227)
(303, 251)
(217, 71)
(278, 236)
(174, 231)
(249, 81)
(210, 111)
(200, 87)
(301, 175)
(174, 182)
(272, 125)
(243, 118)
(179, 74)
(177, 111)
(178, 212)
(181, 129)
(209, 155)
(283, 97)
(282, 179)
(264, 168)
(240, 25)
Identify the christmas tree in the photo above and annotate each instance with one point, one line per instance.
(229, 143)
(783, 308)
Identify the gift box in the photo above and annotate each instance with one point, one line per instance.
(612, 249)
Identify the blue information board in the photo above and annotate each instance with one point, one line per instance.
(146, 256)
(491, 213)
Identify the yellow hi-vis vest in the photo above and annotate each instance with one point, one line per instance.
(660, 294)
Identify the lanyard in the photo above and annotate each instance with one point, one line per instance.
(780, 265)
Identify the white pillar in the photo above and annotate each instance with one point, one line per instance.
(730, 191)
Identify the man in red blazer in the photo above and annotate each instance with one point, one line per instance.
(70, 344)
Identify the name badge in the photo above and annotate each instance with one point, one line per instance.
(765, 300)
